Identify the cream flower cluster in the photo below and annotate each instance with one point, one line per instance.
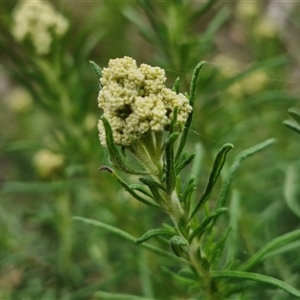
(135, 101)
(37, 20)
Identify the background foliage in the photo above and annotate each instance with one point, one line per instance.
(245, 90)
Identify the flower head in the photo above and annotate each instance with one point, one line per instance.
(38, 20)
(135, 101)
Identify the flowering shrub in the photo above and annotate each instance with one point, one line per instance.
(196, 240)
(211, 245)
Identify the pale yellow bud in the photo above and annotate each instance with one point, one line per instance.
(47, 163)
(247, 10)
(90, 122)
(18, 100)
(265, 28)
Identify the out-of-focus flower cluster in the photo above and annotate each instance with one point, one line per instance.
(38, 21)
(47, 163)
(135, 101)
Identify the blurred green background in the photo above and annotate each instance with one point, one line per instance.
(50, 152)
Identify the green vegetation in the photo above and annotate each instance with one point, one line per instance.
(207, 208)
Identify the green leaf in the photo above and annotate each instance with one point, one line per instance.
(234, 214)
(154, 186)
(114, 154)
(179, 245)
(219, 246)
(197, 161)
(194, 82)
(170, 170)
(276, 243)
(154, 232)
(213, 176)
(188, 191)
(91, 41)
(258, 278)
(295, 114)
(126, 236)
(184, 163)
(176, 85)
(214, 25)
(96, 68)
(199, 230)
(128, 188)
(136, 18)
(179, 277)
(141, 188)
(293, 246)
(193, 89)
(152, 183)
(236, 163)
(188, 273)
(292, 125)
(291, 190)
(114, 296)
(174, 120)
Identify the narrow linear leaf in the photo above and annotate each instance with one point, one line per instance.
(184, 163)
(234, 213)
(176, 85)
(291, 190)
(293, 246)
(89, 44)
(236, 163)
(141, 188)
(114, 154)
(219, 246)
(108, 227)
(128, 189)
(96, 68)
(113, 296)
(188, 273)
(258, 278)
(152, 183)
(213, 176)
(188, 191)
(214, 25)
(127, 236)
(198, 160)
(153, 233)
(276, 243)
(156, 195)
(179, 277)
(134, 17)
(199, 230)
(170, 169)
(295, 114)
(193, 89)
(154, 190)
(174, 120)
(292, 125)
(194, 82)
